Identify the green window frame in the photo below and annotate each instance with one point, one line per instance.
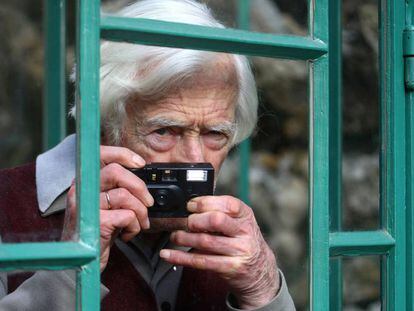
(322, 48)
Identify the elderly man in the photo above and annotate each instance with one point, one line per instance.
(158, 105)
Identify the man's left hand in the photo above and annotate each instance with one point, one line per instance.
(228, 241)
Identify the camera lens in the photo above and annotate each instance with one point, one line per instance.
(161, 197)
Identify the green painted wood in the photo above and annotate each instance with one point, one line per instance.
(360, 243)
(54, 98)
(153, 32)
(393, 157)
(321, 168)
(52, 255)
(88, 133)
(409, 15)
(243, 14)
(335, 73)
(408, 41)
(410, 200)
(409, 21)
(319, 186)
(244, 148)
(409, 73)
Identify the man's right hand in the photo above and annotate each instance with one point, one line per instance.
(124, 200)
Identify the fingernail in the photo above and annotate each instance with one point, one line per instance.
(192, 206)
(138, 160)
(149, 199)
(165, 253)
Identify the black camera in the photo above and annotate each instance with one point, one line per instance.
(172, 185)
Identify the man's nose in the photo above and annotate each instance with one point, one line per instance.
(193, 149)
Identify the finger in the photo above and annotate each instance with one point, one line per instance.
(121, 155)
(219, 264)
(225, 204)
(70, 220)
(210, 243)
(121, 198)
(106, 202)
(214, 222)
(115, 176)
(111, 221)
(71, 198)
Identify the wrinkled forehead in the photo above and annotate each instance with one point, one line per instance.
(217, 77)
(218, 73)
(205, 105)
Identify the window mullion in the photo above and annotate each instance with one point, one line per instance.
(88, 141)
(322, 168)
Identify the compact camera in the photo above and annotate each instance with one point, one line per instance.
(172, 185)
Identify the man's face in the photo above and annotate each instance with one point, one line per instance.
(193, 124)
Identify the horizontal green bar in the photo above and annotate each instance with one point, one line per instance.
(178, 35)
(357, 243)
(51, 255)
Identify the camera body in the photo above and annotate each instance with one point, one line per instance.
(172, 185)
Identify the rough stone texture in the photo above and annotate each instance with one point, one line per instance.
(21, 77)
(361, 191)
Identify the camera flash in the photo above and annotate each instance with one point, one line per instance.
(154, 177)
(196, 175)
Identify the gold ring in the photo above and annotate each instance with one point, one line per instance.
(108, 200)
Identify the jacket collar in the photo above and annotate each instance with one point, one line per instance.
(55, 170)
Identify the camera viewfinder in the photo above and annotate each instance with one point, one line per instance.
(169, 175)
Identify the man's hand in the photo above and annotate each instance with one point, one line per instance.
(225, 234)
(125, 213)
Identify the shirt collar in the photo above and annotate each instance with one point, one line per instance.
(55, 170)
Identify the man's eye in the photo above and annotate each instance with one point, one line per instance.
(216, 135)
(162, 131)
(215, 139)
(162, 139)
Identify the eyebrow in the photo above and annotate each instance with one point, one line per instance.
(163, 122)
(226, 127)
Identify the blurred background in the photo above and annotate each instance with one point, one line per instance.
(279, 157)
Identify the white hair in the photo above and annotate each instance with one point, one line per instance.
(151, 71)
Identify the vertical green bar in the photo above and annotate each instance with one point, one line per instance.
(393, 158)
(244, 148)
(54, 100)
(88, 131)
(335, 86)
(410, 175)
(410, 200)
(321, 167)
